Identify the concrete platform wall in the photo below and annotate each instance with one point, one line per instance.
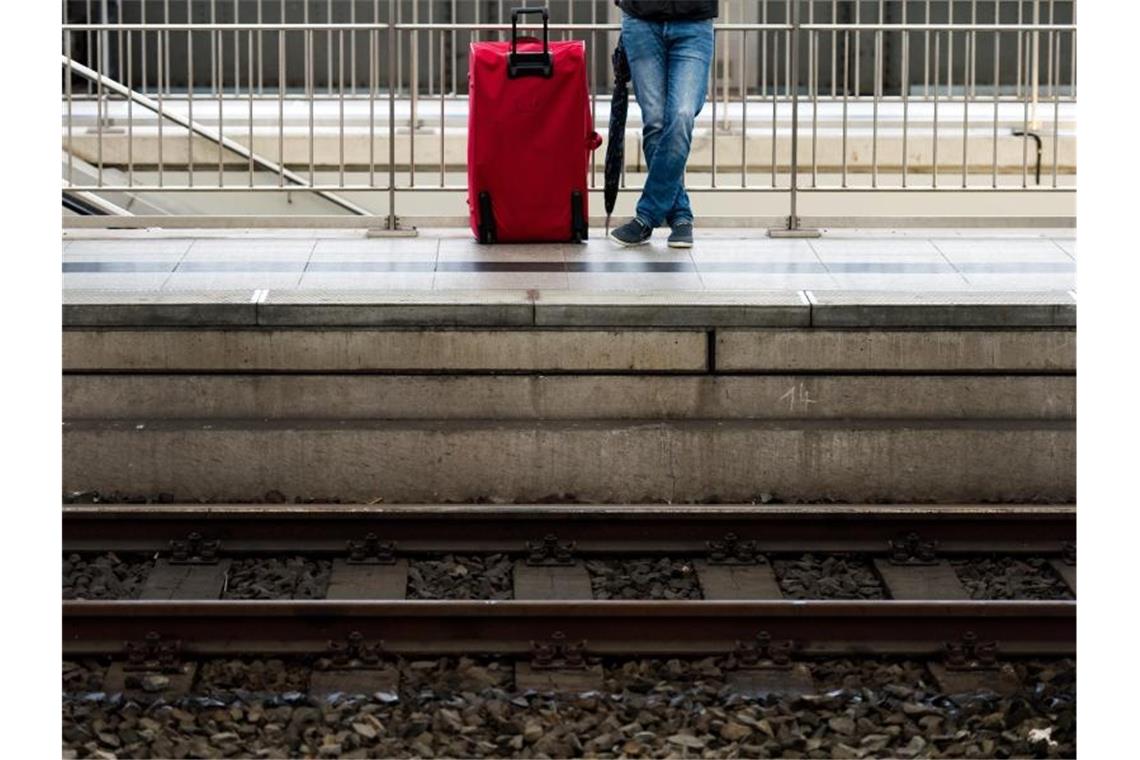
(929, 413)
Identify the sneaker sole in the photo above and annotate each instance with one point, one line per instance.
(624, 244)
(680, 244)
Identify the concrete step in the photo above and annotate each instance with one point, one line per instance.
(567, 397)
(607, 461)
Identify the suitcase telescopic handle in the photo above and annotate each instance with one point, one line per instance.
(530, 64)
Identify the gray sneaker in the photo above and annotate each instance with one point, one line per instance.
(632, 232)
(682, 235)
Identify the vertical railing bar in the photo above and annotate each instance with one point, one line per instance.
(160, 39)
(130, 111)
(249, 91)
(858, 37)
(835, 44)
(221, 103)
(311, 93)
(843, 141)
(352, 46)
(794, 45)
(166, 48)
(997, 103)
(237, 54)
(787, 54)
(970, 57)
(1073, 59)
(261, 49)
(814, 76)
(1025, 113)
(142, 48)
(430, 46)
(950, 58)
(1036, 71)
(392, 45)
(68, 88)
(743, 108)
(455, 49)
(1055, 71)
(712, 90)
(90, 85)
(764, 52)
(373, 74)
(973, 49)
(99, 106)
(1019, 45)
(280, 108)
(442, 108)
(775, 102)
(593, 86)
(1049, 73)
(414, 91)
(119, 36)
(905, 76)
(329, 43)
(340, 103)
(189, 100)
(398, 6)
(875, 95)
(926, 55)
(934, 149)
(726, 77)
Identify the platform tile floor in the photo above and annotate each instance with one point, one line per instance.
(723, 259)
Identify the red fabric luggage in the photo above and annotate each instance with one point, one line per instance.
(529, 136)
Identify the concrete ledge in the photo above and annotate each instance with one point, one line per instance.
(405, 462)
(791, 350)
(428, 308)
(562, 397)
(355, 350)
(566, 308)
(671, 309)
(860, 308)
(102, 308)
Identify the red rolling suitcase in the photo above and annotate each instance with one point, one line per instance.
(529, 136)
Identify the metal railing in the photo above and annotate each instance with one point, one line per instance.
(816, 96)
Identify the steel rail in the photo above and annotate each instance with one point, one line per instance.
(595, 529)
(608, 627)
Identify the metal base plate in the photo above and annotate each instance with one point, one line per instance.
(384, 232)
(784, 232)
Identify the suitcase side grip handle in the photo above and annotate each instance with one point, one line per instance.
(530, 64)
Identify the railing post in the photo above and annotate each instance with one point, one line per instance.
(392, 226)
(793, 228)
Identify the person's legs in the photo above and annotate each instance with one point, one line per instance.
(644, 43)
(689, 46)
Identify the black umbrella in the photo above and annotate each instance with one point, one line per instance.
(615, 151)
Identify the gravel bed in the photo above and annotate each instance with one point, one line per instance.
(828, 576)
(651, 708)
(278, 578)
(104, 576)
(252, 675)
(1010, 578)
(84, 675)
(461, 576)
(644, 578)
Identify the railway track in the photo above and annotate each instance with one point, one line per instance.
(927, 611)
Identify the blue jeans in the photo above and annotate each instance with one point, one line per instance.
(669, 62)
